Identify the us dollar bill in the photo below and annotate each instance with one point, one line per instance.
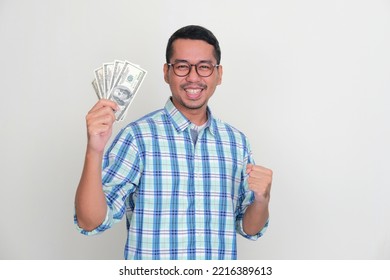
(95, 87)
(118, 65)
(126, 86)
(108, 69)
(99, 81)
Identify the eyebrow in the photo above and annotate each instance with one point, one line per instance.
(201, 61)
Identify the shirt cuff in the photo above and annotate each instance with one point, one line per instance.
(256, 236)
(106, 224)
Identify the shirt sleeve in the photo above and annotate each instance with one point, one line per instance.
(121, 171)
(106, 224)
(246, 198)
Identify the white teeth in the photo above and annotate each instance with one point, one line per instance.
(193, 91)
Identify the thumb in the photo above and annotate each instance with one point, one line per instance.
(249, 167)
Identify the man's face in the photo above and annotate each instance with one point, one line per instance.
(192, 92)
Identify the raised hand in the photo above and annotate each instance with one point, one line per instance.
(100, 120)
(260, 181)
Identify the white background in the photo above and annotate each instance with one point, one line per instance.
(307, 81)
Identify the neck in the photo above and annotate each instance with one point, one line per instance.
(197, 116)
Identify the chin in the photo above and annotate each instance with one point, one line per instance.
(194, 106)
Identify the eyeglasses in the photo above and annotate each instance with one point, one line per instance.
(183, 68)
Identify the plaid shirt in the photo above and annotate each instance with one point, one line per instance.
(182, 200)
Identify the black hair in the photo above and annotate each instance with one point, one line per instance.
(194, 32)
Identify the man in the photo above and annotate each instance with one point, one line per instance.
(185, 180)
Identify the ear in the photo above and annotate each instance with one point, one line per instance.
(166, 73)
(220, 72)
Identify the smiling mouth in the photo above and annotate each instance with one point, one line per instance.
(193, 93)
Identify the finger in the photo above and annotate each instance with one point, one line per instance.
(105, 116)
(99, 112)
(95, 124)
(101, 125)
(98, 118)
(104, 103)
(249, 167)
(102, 107)
(261, 169)
(262, 185)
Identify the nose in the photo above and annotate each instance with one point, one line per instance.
(193, 75)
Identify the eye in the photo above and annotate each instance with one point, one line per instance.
(204, 67)
(182, 66)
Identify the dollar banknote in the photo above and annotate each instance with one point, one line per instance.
(107, 75)
(96, 88)
(119, 81)
(99, 81)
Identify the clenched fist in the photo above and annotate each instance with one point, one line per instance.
(99, 124)
(260, 181)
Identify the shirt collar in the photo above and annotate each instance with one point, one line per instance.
(180, 122)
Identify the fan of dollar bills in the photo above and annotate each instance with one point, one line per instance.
(118, 81)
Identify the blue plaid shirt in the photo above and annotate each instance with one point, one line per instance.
(182, 200)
